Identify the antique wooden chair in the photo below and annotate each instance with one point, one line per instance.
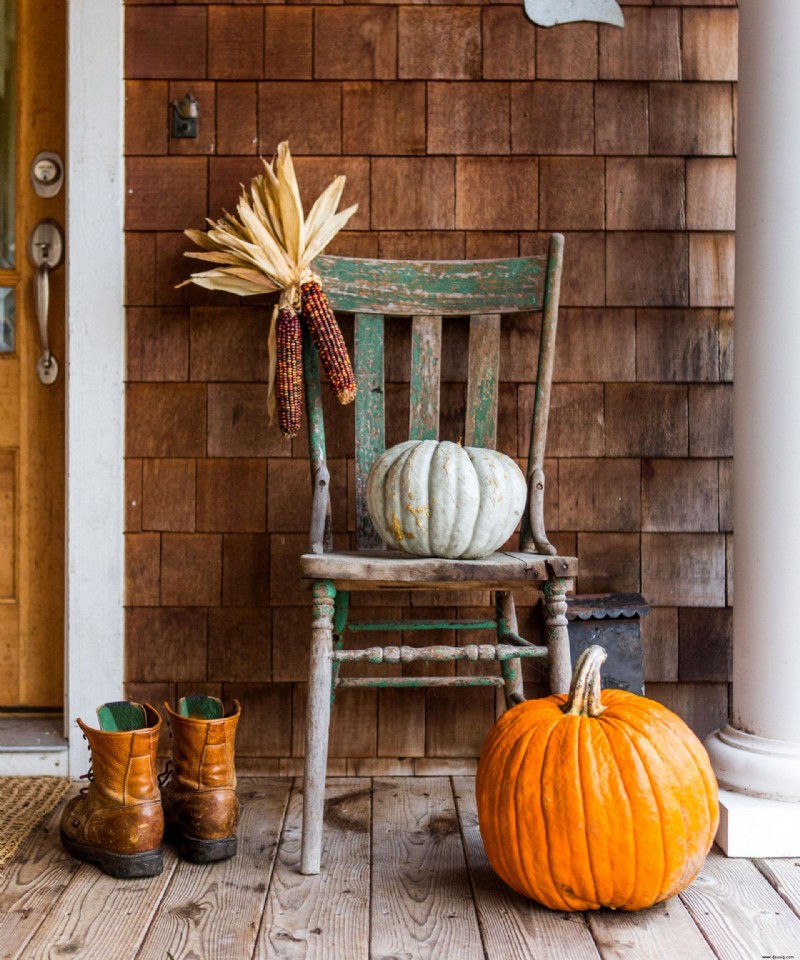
(425, 292)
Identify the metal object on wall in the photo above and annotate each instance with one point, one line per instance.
(612, 620)
(548, 13)
(184, 117)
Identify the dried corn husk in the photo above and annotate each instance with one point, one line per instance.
(268, 245)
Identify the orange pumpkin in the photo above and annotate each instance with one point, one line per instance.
(591, 800)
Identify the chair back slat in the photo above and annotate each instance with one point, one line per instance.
(426, 365)
(446, 287)
(370, 416)
(480, 429)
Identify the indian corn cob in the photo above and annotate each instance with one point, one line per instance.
(289, 372)
(268, 245)
(329, 341)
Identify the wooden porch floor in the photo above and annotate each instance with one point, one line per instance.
(404, 877)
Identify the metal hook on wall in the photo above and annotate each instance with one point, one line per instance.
(184, 116)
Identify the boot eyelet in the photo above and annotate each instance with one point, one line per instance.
(75, 822)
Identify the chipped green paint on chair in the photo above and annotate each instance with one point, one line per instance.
(426, 292)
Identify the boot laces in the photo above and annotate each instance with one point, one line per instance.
(89, 775)
(163, 778)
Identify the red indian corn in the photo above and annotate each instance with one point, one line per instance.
(289, 372)
(329, 341)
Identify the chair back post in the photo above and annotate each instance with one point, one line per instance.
(533, 538)
(320, 531)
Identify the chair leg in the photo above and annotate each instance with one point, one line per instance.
(510, 669)
(318, 716)
(556, 635)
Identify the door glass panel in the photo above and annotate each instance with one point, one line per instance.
(8, 130)
(7, 309)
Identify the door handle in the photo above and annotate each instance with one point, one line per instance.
(46, 250)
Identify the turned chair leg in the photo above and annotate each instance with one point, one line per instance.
(318, 716)
(510, 669)
(556, 635)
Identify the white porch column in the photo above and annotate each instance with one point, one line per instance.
(756, 756)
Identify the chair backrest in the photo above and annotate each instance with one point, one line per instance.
(426, 291)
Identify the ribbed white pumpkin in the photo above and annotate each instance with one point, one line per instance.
(437, 499)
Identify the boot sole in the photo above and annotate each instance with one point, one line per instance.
(119, 865)
(203, 851)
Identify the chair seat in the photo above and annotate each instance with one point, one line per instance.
(352, 569)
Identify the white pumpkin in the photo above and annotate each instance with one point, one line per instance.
(437, 499)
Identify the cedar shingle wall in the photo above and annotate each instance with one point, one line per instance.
(464, 131)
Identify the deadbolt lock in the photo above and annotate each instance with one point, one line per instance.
(47, 173)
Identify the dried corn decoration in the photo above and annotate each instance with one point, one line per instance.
(267, 247)
(329, 341)
(289, 372)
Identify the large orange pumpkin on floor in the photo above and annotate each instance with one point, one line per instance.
(590, 800)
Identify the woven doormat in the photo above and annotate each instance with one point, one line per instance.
(24, 803)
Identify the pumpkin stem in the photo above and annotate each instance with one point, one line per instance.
(584, 691)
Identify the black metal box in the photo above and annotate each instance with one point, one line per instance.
(613, 621)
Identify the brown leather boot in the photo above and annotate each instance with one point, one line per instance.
(117, 821)
(201, 809)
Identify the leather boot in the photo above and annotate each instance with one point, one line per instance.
(201, 809)
(117, 822)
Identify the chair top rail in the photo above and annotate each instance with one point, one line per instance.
(440, 287)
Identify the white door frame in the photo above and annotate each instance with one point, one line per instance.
(95, 365)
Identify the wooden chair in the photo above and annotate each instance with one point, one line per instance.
(425, 292)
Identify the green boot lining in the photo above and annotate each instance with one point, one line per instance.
(201, 708)
(121, 715)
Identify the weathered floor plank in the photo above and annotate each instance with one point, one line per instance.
(214, 910)
(739, 913)
(665, 930)
(512, 926)
(32, 884)
(422, 904)
(784, 875)
(324, 916)
(99, 916)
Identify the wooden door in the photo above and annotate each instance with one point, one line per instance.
(32, 123)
